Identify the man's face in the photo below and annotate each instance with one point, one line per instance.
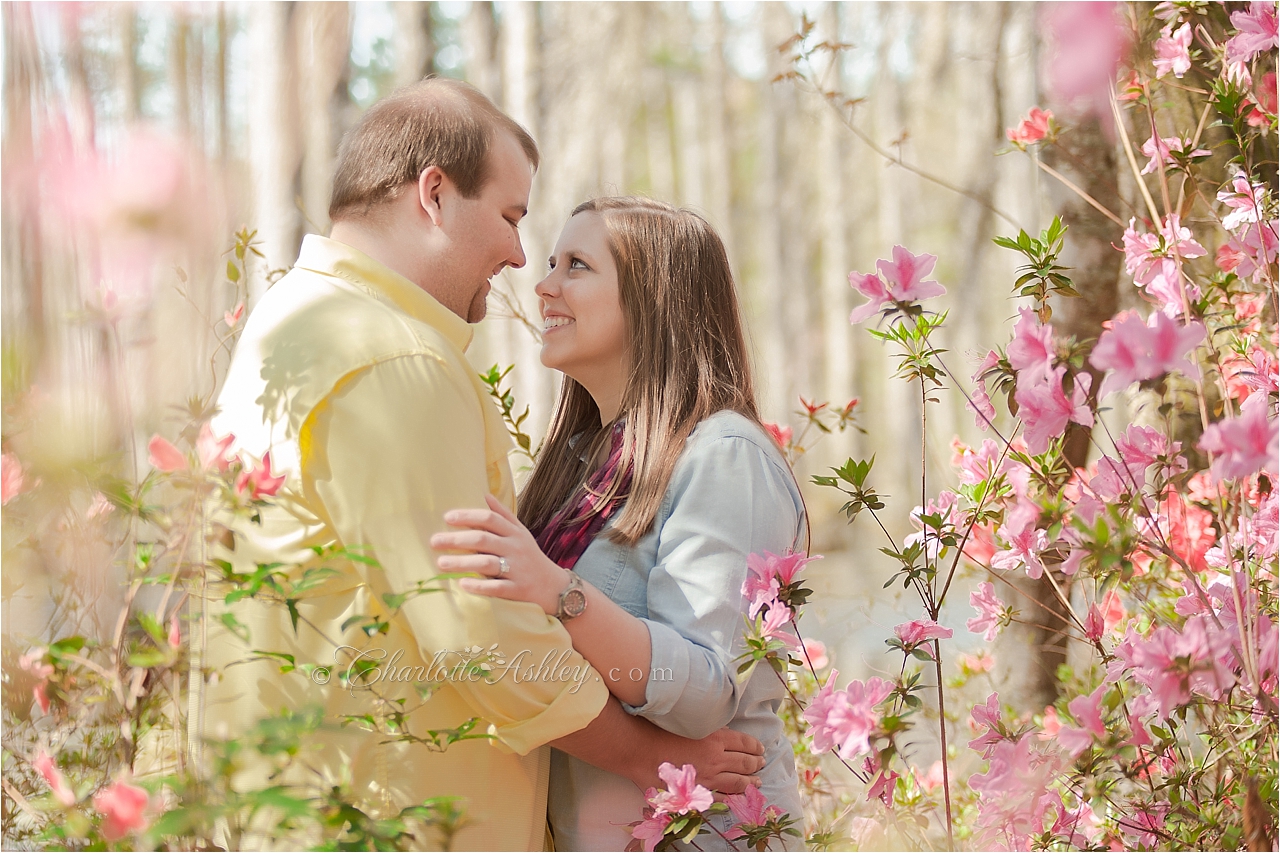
(484, 231)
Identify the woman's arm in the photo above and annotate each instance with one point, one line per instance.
(611, 639)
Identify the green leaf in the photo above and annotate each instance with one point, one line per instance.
(147, 658)
(233, 271)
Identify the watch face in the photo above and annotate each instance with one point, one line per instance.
(575, 601)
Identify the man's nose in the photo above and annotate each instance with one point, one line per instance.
(516, 259)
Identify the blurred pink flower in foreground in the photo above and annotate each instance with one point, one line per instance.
(212, 451)
(1132, 350)
(257, 481)
(1173, 51)
(12, 478)
(1086, 44)
(844, 719)
(45, 766)
(780, 434)
(124, 807)
(1258, 32)
(1031, 129)
(816, 650)
(1244, 444)
(896, 281)
(163, 456)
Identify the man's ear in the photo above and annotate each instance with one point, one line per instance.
(431, 187)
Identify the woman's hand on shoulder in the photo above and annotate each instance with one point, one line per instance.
(496, 546)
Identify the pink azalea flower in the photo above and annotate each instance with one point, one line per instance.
(751, 809)
(816, 652)
(1094, 624)
(650, 830)
(258, 481)
(1173, 51)
(784, 568)
(1145, 822)
(1178, 239)
(776, 627)
(1051, 725)
(1173, 665)
(882, 788)
(987, 716)
(124, 806)
(232, 318)
(1142, 446)
(1246, 200)
(1087, 712)
(1253, 249)
(1045, 409)
(163, 456)
(1161, 150)
(990, 611)
(12, 478)
(1025, 544)
(1031, 129)
(45, 766)
(845, 719)
(41, 694)
(1031, 350)
(1257, 32)
(1134, 351)
(897, 281)
(921, 631)
(976, 465)
(780, 434)
(683, 793)
(175, 632)
(211, 451)
(761, 586)
(976, 664)
(1243, 445)
(1086, 42)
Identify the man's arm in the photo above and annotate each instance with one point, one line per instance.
(633, 747)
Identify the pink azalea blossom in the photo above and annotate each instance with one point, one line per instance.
(1161, 150)
(990, 611)
(1087, 712)
(1257, 32)
(1031, 129)
(650, 830)
(1245, 444)
(1246, 200)
(12, 478)
(976, 664)
(1143, 446)
(1173, 664)
(897, 281)
(232, 318)
(780, 434)
(41, 694)
(776, 626)
(175, 632)
(1144, 824)
(1025, 544)
(976, 465)
(882, 788)
(1045, 410)
(1086, 42)
(1031, 350)
(683, 793)
(1173, 51)
(751, 809)
(1094, 624)
(1253, 249)
(845, 719)
(258, 481)
(163, 456)
(124, 807)
(1051, 725)
(761, 586)
(47, 768)
(213, 452)
(816, 652)
(987, 716)
(1134, 351)
(921, 631)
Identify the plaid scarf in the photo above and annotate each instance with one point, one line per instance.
(571, 530)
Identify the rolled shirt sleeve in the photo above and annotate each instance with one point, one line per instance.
(729, 498)
(389, 451)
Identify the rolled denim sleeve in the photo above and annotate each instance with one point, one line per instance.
(729, 497)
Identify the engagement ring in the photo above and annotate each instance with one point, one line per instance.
(503, 566)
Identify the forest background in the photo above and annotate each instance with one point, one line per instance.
(694, 103)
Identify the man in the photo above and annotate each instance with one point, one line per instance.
(351, 373)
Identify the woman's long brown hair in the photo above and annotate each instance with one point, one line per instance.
(687, 354)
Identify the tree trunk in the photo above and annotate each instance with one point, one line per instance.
(414, 48)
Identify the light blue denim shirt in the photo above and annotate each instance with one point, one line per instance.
(731, 494)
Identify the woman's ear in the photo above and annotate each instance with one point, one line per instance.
(432, 186)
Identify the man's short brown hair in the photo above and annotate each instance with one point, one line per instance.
(434, 122)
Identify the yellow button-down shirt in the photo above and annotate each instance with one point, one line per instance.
(355, 380)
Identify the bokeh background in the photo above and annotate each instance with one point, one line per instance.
(215, 116)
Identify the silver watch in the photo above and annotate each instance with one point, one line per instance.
(573, 601)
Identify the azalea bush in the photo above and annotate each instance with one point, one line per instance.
(1161, 551)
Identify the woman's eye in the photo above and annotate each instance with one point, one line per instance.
(577, 264)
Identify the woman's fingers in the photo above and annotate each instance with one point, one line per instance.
(479, 519)
(501, 509)
(482, 564)
(481, 541)
(491, 588)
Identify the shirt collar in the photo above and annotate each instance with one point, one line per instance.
(329, 257)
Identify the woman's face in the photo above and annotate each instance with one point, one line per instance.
(584, 331)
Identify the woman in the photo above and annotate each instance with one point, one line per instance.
(654, 484)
